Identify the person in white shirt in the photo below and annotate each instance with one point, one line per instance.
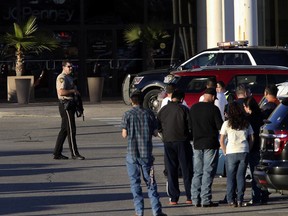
(170, 88)
(221, 101)
(240, 138)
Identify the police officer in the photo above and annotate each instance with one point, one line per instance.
(65, 92)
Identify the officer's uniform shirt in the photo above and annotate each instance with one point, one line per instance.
(64, 81)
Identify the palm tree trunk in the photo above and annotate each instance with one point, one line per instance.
(19, 63)
(149, 60)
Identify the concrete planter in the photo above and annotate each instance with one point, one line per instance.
(11, 88)
(95, 87)
(23, 90)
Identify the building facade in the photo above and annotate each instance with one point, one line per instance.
(91, 34)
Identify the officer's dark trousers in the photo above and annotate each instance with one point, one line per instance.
(68, 129)
(178, 153)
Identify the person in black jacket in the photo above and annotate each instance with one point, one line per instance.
(256, 119)
(173, 123)
(206, 121)
(270, 94)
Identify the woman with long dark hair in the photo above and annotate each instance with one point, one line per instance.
(239, 134)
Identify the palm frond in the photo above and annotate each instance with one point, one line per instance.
(25, 38)
(47, 40)
(18, 31)
(29, 45)
(132, 34)
(30, 27)
(28, 39)
(146, 34)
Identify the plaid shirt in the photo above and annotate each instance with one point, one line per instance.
(140, 125)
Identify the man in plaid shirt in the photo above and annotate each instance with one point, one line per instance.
(138, 125)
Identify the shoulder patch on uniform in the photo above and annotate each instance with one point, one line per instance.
(61, 80)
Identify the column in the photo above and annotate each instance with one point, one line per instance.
(246, 26)
(214, 22)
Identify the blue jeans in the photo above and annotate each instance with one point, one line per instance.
(204, 165)
(136, 166)
(236, 170)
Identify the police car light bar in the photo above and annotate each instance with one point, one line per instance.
(232, 43)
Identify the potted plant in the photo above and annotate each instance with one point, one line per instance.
(25, 39)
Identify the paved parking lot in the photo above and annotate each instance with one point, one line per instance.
(32, 183)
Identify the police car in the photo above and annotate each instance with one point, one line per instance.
(151, 83)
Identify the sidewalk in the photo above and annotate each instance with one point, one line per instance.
(108, 107)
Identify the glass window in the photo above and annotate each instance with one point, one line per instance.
(246, 80)
(235, 59)
(277, 78)
(271, 57)
(197, 85)
(100, 54)
(51, 12)
(191, 84)
(161, 11)
(68, 41)
(129, 58)
(202, 60)
(231, 86)
(8, 12)
(256, 83)
(114, 12)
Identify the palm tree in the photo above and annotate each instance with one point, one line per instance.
(149, 36)
(25, 38)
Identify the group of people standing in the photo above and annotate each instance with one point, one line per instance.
(192, 138)
(238, 120)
